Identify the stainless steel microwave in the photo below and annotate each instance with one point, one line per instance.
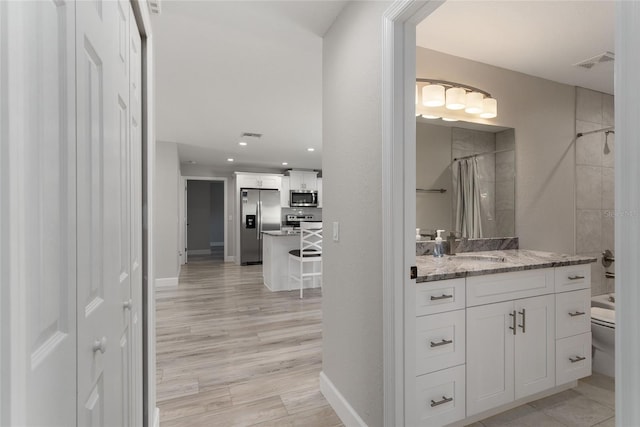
(303, 198)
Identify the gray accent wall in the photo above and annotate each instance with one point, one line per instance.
(352, 170)
(542, 113)
(595, 187)
(198, 216)
(216, 213)
(165, 225)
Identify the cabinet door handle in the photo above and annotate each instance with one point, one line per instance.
(576, 277)
(577, 313)
(440, 402)
(524, 320)
(576, 359)
(443, 342)
(442, 297)
(513, 328)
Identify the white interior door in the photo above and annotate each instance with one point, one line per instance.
(38, 213)
(103, 282)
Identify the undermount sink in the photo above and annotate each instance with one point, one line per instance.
(476, 258)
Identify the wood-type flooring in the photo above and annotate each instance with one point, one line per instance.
(232, 353)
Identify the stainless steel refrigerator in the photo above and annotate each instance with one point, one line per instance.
(259, 211)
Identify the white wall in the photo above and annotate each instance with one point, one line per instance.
(543, 115)
(166, 185)
(352, 160)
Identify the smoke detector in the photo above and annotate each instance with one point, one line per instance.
(587, 64)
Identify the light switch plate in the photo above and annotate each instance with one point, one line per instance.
(336, 231)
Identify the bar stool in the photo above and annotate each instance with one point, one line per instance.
(309, 254)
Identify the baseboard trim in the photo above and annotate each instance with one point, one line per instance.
(156, 418)
(167, 281)
(199, 252)
(339, 404)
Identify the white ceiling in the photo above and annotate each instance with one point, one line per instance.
(228, 67)
(539, 38)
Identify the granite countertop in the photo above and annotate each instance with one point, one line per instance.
(282, 233)
(489, 262)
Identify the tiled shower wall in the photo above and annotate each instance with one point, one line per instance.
(595, 183)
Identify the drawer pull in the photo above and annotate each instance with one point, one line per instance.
(577, 359)
(441, 402)
(577, 313)
(576, 277)
(442, 297)
(443, 342)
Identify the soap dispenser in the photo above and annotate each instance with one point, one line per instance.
(438, 250)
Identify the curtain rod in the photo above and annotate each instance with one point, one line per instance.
(480, 154)
(606, 130)
(431, 190)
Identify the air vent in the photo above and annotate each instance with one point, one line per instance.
(154, 6)
(598, 59)
(251, 135)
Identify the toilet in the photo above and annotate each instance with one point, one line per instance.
(603, 331)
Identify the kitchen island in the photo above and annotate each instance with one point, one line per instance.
(275, 259)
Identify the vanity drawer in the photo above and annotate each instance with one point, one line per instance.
(573, 313)
(440, 397)
(439, 296)
(440, 341)
(573, 358)
(509, 286)
(573, 277)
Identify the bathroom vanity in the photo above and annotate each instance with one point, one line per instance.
(487, 331)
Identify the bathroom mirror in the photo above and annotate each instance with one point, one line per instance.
(465, 179)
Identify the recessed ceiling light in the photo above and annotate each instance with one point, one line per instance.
(311, 149)
(229, 159)
(284, 163)
(242, 143)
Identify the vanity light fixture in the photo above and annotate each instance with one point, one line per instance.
(441, 98)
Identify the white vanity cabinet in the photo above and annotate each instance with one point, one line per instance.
(490, 341)
(510, 351)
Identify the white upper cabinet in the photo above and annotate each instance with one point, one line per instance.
(284, 193)
(253, 180)
(303, 180)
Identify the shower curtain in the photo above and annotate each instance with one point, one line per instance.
(468, 219)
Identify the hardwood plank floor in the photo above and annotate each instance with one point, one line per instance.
(232, 353)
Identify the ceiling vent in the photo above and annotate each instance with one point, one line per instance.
(154, 6)
(250, 135)
(598, 59)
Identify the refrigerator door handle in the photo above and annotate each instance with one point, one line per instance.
(259, 227)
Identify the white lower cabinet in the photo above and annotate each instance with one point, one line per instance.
(440, 397)
(486, 341)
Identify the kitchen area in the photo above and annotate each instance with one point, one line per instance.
(270, 208)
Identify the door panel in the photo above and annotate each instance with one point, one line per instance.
(490, 350)
(38, 197)
(535, 368)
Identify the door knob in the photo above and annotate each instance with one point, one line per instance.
(127, 304)
(100, 345)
